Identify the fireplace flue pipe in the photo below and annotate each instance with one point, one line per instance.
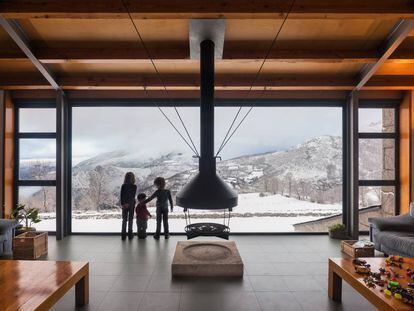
(207, 191)
(207, 160)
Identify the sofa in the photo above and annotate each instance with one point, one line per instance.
(393, 235)
(7, 227)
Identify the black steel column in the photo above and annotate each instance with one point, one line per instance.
(62, 167)
(352, 165)
(207, 159)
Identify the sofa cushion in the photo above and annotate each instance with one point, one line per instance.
(403, 223)
(401, 241)
(7, 224)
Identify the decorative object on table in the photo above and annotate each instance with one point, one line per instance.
(361, 266)
(387, 279)
(355, 249)
(338, 231)
(30, 245)
(26, 217)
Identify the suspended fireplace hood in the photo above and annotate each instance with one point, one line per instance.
(207, 191)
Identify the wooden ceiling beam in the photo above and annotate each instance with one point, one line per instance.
(191, 83)
(394, 40)
(126, 55)
(13, 28)
(177, 9)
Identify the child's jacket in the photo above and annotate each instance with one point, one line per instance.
(142, 211)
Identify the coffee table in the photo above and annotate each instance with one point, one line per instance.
(38, 285)
(343, 269)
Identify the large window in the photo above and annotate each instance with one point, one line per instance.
(286, 165)
(284, 162)
(107, 142)
(36, 163)
(378, 184)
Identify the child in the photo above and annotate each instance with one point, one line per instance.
(163, 197)
(142, 216)
(128, 192)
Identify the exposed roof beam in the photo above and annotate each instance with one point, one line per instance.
(14, 30)
(191, 82)
(396, 37)
(24, 9)
(127, 55)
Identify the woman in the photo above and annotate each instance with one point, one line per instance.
(128, 192)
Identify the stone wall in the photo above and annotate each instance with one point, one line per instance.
(388, 161)
(321, 225)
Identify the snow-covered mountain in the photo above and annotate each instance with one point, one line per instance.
(317, 161)
(311, 171)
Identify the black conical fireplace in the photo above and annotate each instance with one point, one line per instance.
(207, 191)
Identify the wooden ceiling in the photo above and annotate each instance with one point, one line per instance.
(92, 45)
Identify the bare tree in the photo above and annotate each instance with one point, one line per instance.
(96, 186)
(331, 171)
(303, 189)
(272, 185)
(39, 170)
(289, 182)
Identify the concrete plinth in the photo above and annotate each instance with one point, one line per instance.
(207, 259)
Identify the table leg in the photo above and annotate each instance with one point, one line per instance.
(82, 291)
(335, 286)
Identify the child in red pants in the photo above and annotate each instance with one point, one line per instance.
(142, 216)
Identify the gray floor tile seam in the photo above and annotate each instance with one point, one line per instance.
(102, 300)
(295, 300)
(141, 299)
(298, 302)
(221, 300)
(255, 295)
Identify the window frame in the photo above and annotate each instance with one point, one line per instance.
(270, 103)
(35, 136)
(383, 104)
(342, 103)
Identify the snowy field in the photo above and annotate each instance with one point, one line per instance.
(273, 213)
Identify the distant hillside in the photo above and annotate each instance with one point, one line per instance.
(311, 171)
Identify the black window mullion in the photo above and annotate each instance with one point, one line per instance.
(36, 183)
(377, 135)
(36, 135)
(377, 183)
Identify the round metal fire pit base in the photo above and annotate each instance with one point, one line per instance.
(207, 229)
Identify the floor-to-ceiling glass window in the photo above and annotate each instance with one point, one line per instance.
(286, 165)
(378, 154)
(108, 142)
(284, 162)
(36, 162)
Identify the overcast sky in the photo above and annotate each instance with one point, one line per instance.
(145, 133)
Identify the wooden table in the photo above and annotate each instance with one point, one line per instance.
(38, 285)
(343, 269)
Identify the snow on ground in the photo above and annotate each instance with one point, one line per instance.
(249, 204)
(239, 224)
(254, 203)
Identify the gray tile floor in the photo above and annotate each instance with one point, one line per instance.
(281, 273)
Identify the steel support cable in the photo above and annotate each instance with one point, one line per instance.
(194, 148)
(225, 140)
(240, 122)
(169, 120)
